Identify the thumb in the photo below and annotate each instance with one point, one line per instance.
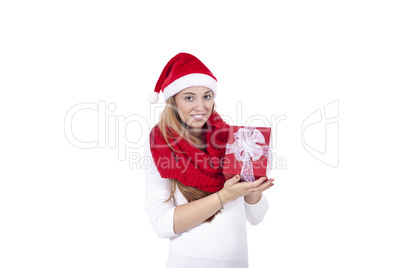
(235, 179)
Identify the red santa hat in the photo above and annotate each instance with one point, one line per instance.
(182, 71)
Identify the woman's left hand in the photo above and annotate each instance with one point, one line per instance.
(255, 195)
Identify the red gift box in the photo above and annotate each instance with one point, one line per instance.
(248, 153)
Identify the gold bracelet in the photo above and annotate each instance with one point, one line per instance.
(220, 200)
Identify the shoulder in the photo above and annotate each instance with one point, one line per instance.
(155, 131)
(154, 135)
(157, 145)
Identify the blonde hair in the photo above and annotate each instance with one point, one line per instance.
(169, 120)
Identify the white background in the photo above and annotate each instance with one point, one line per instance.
(65, 206)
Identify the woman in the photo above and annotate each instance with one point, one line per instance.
(188, 199)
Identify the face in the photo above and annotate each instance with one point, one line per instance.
(194, 105)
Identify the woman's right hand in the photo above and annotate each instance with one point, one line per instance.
(233, 189)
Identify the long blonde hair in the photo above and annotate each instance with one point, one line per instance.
(169, 120)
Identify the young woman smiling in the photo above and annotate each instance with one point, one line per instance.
(188, 199)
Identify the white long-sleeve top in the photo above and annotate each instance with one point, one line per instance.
(221, 243)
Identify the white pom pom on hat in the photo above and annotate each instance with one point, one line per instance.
(182, 71)
(153, 97)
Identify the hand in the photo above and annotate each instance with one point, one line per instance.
(255, 196)
(233, 189)
(264, 185)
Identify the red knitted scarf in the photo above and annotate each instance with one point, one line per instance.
(189, 164)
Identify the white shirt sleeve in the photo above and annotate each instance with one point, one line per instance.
(157, 191)
(255, 213)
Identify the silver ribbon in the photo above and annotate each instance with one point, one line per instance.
(245, 148)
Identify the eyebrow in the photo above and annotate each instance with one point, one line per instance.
(194, 94)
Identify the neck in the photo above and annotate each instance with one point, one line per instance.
(197, 133)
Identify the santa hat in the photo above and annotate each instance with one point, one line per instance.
(182, 71)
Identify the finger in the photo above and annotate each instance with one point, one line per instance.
(265, 186)
(249, 185)
(270, 180)
(258, 182)
(234, 179)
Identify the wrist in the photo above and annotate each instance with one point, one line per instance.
(253, 198)
(224, 196)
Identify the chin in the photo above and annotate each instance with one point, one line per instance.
(198, 124)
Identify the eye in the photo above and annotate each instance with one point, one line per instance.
(207, 97)
(188, 98)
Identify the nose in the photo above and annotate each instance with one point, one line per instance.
(199, 106)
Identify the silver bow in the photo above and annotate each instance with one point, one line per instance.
(245, 148)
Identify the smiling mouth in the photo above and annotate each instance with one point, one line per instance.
(198, 116)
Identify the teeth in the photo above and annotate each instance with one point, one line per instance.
(198, 115)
